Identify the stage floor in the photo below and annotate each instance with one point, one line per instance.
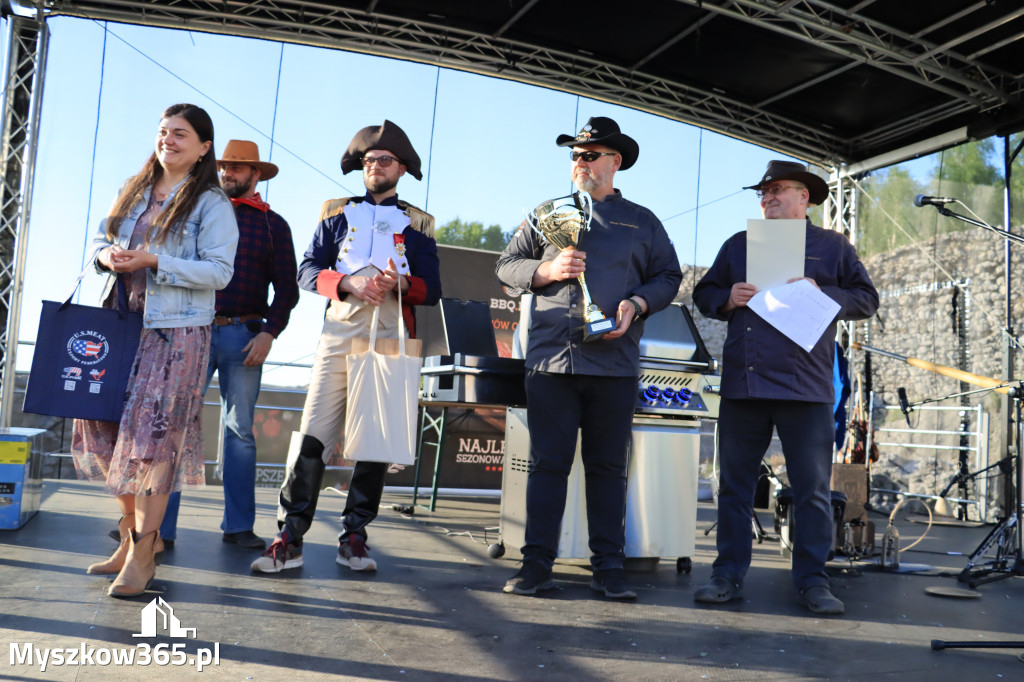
(435, 610)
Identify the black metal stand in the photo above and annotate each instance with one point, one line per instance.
(939, 644)
(982, 224)
(1005, 538)
(756, 528)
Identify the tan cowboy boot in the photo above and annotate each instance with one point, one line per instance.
(139, 567)
(116, 561)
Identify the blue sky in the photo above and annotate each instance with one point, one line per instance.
(488, 145)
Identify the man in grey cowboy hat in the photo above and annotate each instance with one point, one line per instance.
(770, 382)
(363, 249)
(590, 387)
(244, 330)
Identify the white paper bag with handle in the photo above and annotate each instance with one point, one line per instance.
(383, 384)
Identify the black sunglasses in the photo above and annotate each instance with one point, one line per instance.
(589, 157)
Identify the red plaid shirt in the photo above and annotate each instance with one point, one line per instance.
(265, 257)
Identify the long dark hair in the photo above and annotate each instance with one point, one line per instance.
(202, 177)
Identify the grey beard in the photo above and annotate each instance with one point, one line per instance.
(585, 183)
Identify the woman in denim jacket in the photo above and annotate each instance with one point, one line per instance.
(170, 238)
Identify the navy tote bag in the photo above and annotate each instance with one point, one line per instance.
(83, 358)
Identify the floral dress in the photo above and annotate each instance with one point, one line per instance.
(157, 448)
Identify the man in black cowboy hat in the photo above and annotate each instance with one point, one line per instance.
(770, 382)
(363, 249)
(588, 387)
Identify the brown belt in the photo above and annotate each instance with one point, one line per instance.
(221, 321)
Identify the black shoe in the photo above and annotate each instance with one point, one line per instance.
(612, 582)
(115, 535)
(531, 579)
(820, 600)
(245, 538)
(168, 544)
(718, 591)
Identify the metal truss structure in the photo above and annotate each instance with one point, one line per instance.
(514, 41)
(23, 90)
(849, 85)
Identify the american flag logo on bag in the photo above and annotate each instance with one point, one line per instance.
(88, 347)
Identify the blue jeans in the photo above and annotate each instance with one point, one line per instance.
(239, 388)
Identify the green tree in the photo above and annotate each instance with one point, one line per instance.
(1017, 181)
(971, 172)
(473, 235)
(970, 163)
(887, 217)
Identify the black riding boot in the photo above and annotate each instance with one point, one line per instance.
(303, 477)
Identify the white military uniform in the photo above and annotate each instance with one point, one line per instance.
(369, 244)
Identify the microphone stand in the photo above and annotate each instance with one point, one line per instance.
(1006, 537)
(1005, 234)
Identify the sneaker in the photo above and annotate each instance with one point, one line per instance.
(279, 556)
(820, 600)
(718, 591)
(531, 579)
(352, 553)
(612, 582)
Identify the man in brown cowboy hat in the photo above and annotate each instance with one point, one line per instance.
(590, 387)
(244, 330)
(770, 382)
(362, 250)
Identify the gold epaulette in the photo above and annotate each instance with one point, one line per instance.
(418, 218)
(333, 207)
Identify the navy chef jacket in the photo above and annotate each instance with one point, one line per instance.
(758, 361)
(628, 253)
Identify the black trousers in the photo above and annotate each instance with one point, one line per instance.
(600, 410)
(807, 432)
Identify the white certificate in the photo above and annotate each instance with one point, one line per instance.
(799, 310)
(775, 251)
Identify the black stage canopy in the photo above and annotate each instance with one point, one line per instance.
(861, 83)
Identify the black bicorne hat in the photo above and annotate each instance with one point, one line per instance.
(387, 136)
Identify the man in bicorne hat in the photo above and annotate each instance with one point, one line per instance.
(363, 249)
(590, 387)
(244, 330)
(768, 381)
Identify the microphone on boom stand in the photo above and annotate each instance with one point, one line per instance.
(922, 200)
(904, 403)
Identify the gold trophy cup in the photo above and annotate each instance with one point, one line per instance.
(560, 222)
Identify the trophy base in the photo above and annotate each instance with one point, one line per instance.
(594, 330)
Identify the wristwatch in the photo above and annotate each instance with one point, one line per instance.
(638, 313)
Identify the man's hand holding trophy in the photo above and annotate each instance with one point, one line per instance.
(560, 222)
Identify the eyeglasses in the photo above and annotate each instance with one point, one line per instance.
(589, 157)
(382, 161)
(775, 190)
